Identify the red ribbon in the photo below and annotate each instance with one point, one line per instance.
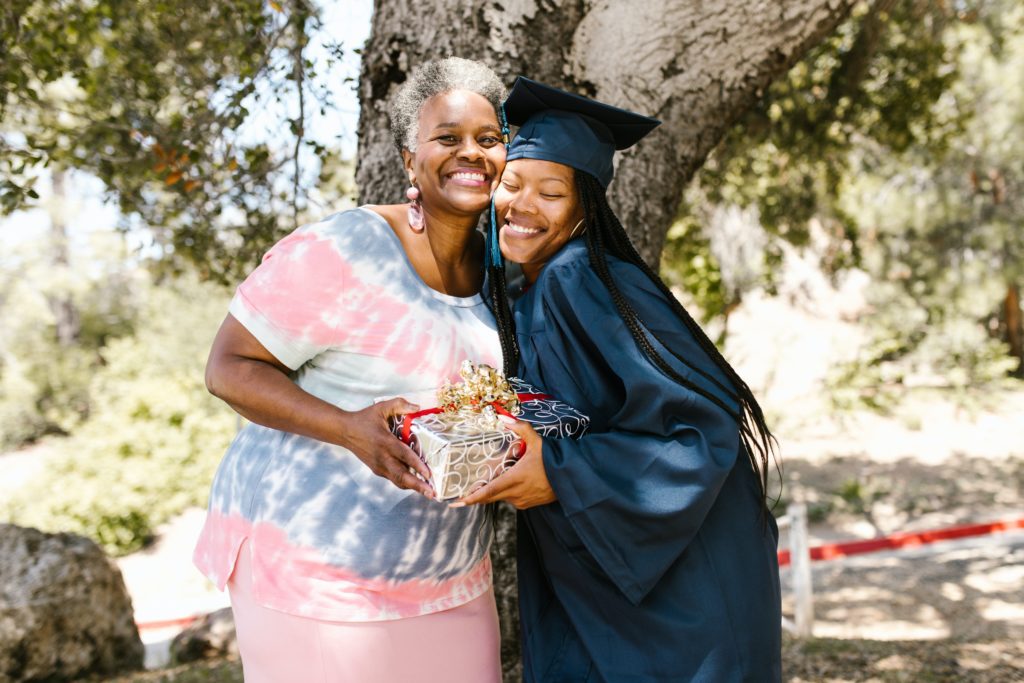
(523, 398)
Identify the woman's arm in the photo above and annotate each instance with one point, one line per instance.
(246, 376)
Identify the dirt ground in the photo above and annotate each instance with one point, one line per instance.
(842, 661)
(952, 611)
(815, 661)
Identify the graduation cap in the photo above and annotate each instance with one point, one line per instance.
(555, 125)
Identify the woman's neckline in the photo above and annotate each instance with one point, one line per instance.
(450, 299)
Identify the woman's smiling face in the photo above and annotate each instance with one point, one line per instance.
(536, 207)
(459, 153)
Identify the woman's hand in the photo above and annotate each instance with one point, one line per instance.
(367, 433)
(525, 484)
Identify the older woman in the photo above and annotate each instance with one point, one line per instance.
(339, 564)
(646, 550)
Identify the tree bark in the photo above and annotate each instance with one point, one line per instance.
(1014, 326)
(67, 322)
(697, 66)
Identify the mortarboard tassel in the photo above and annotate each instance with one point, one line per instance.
(505, 133)
(493, 247)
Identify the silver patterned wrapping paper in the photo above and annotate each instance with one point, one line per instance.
(467, 449)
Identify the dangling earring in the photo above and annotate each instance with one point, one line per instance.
(576, 228)
(415, 212)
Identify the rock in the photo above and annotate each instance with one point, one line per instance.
(211, 636)
(64, 610)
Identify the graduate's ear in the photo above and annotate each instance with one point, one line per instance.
(577, 217)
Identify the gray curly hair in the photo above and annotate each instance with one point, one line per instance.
(435, 78)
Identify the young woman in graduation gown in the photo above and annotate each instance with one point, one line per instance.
(646, 550)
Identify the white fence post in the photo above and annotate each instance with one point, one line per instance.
(800, 561)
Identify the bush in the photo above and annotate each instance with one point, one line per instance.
(921, 346)
(154, 436)
(44, 383)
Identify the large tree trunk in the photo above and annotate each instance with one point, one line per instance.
(695, 65)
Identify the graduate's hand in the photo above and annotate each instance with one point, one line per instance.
(525, 484)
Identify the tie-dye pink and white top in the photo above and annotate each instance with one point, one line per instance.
(340, 304)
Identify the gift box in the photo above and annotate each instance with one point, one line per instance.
(463, 440)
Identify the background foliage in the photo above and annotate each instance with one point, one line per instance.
(153, 436)
(895, 149)
(897, 142)
(193, 115)
(44, 383)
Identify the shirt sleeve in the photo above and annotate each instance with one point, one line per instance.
(637, 493)
(292, 301)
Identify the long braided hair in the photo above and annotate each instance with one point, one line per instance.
(605, 235)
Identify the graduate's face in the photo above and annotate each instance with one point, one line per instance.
(459, 153)
(537, 207)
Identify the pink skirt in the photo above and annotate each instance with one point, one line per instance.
(459, 645)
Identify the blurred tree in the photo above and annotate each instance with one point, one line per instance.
(164, 101)
(906, 102)
(65, 313)
(944, 240)
(154, 436)
(57, 316)
(875, 80)
(154, 97)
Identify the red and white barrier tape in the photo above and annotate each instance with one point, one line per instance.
(831, 551)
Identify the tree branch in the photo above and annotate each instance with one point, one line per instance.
(298, 75)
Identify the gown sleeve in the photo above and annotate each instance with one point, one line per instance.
(637, 492)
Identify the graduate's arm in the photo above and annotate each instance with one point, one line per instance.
(637, 494)
(636, 500)
(525, 484)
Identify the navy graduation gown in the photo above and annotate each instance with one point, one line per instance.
(654, 563)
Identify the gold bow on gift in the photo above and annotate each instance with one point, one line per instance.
(481, 386)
